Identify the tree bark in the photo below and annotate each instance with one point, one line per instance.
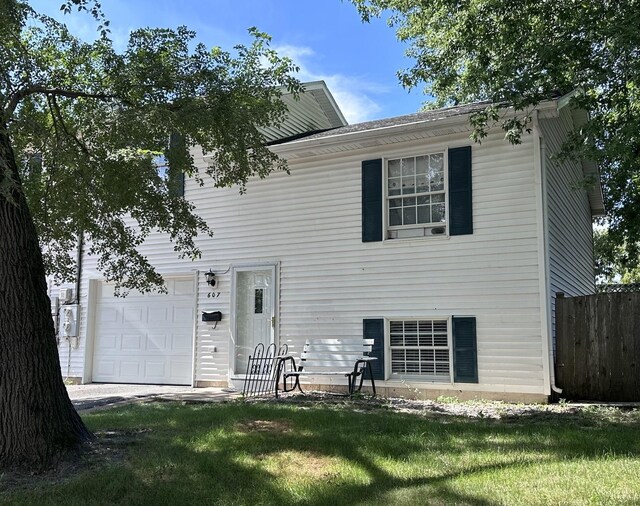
(38, 424)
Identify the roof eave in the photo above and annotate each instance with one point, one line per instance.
(332, 104)
(313, 111)
(590, 168)
(372, 134)
(549, 108)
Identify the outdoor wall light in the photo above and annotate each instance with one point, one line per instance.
(211, 277)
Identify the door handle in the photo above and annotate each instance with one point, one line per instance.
(273, 322)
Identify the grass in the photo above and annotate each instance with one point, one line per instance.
(348, 453)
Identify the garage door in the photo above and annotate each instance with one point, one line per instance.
(145, 338)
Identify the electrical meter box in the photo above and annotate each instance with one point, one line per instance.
(68, 320)
(65, 295)
(55, 306)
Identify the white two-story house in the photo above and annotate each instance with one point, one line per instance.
(446, 252)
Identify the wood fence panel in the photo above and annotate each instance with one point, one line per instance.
(631, 347)
(615, 366)
(598, 347)
(563, 366)
(600, 328)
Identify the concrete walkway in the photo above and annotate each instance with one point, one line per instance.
(105, 395)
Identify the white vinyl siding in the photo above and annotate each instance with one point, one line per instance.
(309, 222)
(570, 232)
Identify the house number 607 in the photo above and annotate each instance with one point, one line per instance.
(213, 295)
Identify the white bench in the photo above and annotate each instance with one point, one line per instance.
(328, 357)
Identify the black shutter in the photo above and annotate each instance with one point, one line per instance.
(465, 353)
(372, 200)
(373, 328)
(176, 157)
(460, 205)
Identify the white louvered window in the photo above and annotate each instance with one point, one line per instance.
(416, 196)
(420, 348)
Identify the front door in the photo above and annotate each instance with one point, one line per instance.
(254, 313)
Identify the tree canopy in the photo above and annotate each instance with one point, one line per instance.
(84, 131)
(518, 53)
(611, 262)
(87, 125)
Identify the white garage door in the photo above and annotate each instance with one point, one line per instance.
(145, 338)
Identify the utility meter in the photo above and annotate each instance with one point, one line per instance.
(65, 295)
(68, 320)
(55, 305)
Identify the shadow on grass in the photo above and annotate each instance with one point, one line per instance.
(239, 453)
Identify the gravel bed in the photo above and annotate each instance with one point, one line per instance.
(479, 409)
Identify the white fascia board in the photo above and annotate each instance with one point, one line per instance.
(590, 169)
(565, 99)
(550, 108)
(322, 86)
(351, 137)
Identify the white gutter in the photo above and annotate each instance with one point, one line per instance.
(375, 133)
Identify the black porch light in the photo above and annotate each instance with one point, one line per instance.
(210, 277)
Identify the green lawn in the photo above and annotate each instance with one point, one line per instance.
(352, 453)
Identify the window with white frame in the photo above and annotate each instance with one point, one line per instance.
(173, 179)
(420, 348)
(161, 164)
(416, 196)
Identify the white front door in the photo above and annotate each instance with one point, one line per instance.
(254, 313)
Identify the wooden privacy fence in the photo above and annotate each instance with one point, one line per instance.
(598, 347)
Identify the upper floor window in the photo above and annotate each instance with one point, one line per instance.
(173, 178)
(162, 167)
(416, 196)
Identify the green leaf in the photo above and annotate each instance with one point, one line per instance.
(105, 118)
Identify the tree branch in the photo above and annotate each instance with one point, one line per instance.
(53, 118)
(55, 92)
(73, 136)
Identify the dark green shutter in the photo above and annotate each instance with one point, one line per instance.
(372, 200)
(176, 183)
(465, 352)
(373, 328)
(460, 204)
(176, 157)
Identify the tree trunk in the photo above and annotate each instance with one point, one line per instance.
(38, 424)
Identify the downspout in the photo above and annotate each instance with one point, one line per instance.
(79, 265)
(80, 246)
(552, 369)
(194, 339)
(546, 302)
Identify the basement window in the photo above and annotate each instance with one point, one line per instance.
(420, 347)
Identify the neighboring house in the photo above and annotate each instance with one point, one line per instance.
(445, 251)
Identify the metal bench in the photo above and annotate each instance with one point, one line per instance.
(328, 357)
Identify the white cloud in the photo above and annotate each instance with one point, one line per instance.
(354, 103)
(352, 93)
(296, 53)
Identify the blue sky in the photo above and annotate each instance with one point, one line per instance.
(324, 37)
